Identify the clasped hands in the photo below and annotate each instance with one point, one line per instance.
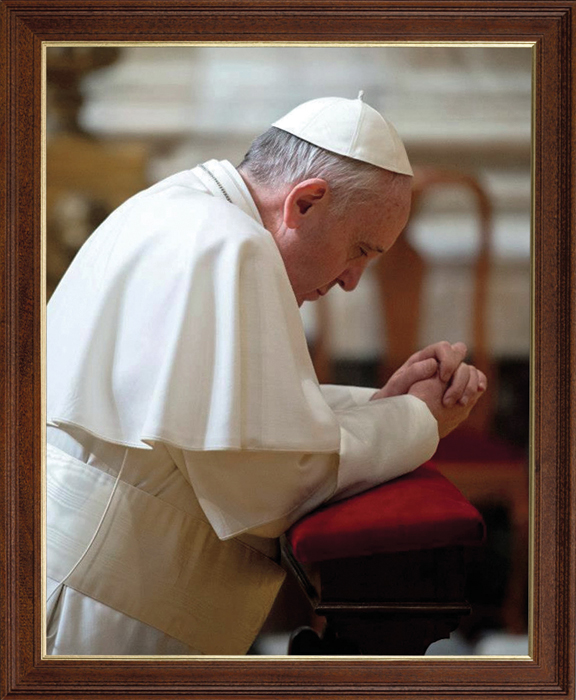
(438, 376)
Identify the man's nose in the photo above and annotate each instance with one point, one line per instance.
(349, 279)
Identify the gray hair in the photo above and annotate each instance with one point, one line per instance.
(277, 158)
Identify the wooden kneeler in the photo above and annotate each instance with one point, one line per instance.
(385, 568)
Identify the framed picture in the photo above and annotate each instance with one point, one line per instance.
(549, 670)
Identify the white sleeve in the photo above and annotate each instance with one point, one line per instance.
(382, 440)
(263, 492)
(260, 492)
(339, 396)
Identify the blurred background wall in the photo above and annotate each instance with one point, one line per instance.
(119, 119)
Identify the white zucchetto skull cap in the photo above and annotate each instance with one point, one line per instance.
(350, 128)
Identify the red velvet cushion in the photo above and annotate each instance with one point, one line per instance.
(420, 510)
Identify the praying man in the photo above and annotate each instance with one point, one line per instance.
(186, 427)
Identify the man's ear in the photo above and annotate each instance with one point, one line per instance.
(304, 200)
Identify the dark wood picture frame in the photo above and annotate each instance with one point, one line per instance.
(551, 25)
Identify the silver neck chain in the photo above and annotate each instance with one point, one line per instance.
(220, 186)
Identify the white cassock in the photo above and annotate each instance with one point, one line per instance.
(187, 429)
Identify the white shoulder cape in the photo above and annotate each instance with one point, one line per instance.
(176, 322)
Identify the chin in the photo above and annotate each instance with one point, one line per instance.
(312, 295)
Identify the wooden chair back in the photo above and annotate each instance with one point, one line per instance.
(401, 274)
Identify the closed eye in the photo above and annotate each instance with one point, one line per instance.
(365, 250)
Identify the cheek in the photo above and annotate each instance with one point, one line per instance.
(315, 266)
(325, 261)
